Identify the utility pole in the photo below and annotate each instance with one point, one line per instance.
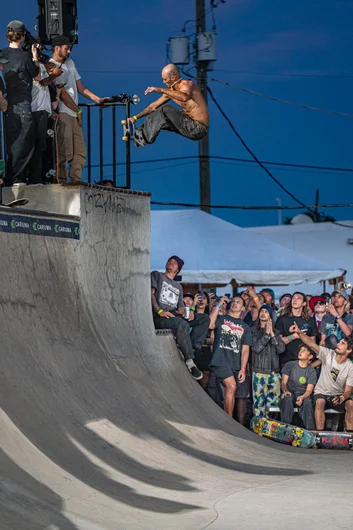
(204, 160)
(279, 202)
(316, 209)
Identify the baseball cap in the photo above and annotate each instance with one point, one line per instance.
(16, 25)
(342, 293)
(315, 299)
(3, 60)
(60, 40)
(188, 295)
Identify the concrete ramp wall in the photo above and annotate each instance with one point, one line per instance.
(101, 425)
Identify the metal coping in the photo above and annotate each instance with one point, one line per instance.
(115, 190)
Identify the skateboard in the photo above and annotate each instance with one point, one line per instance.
(16, 202)
(334, 440)
(282, 432)
(127, 134)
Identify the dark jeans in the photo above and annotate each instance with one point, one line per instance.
(40, 120)
(169, 118)
(19, 141)
(306, 411)
(187, 342)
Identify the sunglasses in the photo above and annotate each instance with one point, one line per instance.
(319, 302)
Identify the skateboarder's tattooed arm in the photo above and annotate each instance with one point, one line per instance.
(177, 95)
(152, 107)
(155, 305)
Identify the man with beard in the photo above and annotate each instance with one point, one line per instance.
(335, 385)
(230, 357)
(71, 143)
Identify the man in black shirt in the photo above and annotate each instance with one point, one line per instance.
(297, 312)
(230, 357)
(19, 73)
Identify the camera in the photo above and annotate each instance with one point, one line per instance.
(27, 47)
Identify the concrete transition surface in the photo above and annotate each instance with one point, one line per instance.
(101, 425)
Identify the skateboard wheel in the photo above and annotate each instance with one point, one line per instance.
(125, 138)
(123, 122)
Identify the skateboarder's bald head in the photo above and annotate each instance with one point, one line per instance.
(170, 71)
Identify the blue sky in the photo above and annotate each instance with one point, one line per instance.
(122, 48)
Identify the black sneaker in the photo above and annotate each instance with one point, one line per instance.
(195, 372)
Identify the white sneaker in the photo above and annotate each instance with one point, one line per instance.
(19, 184)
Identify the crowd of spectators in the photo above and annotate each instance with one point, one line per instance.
(252, 356)
(43, 122)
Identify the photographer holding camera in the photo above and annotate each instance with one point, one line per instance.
(18, 74)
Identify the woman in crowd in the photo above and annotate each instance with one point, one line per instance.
(265, 365)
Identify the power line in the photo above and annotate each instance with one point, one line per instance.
(299, 105)
(235, 159)
(238, 72)
(285, 74)
(254, 156)
(261, 208)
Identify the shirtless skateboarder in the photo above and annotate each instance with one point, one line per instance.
(192, 121)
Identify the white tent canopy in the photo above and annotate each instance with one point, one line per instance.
(328, 242)
(218, 252)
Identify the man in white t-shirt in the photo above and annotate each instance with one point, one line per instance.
(335, 385)
(71, 143)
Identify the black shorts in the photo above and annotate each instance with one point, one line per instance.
(328, 402)
(243, 389)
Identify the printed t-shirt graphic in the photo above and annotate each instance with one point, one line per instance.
(230, 336)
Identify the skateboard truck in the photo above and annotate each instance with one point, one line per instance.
(127, 126)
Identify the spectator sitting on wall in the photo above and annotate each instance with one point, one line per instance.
(337, 323)
(298, 382)
(71, 142)
(230, 357)
(168, 312)
(335, 385)
(19, 72)
(296, 311)
(265, 365)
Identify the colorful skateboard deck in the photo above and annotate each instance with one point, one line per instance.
(334, 440)
(282, 432)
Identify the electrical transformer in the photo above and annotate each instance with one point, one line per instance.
(179, 50)
(206, 46)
